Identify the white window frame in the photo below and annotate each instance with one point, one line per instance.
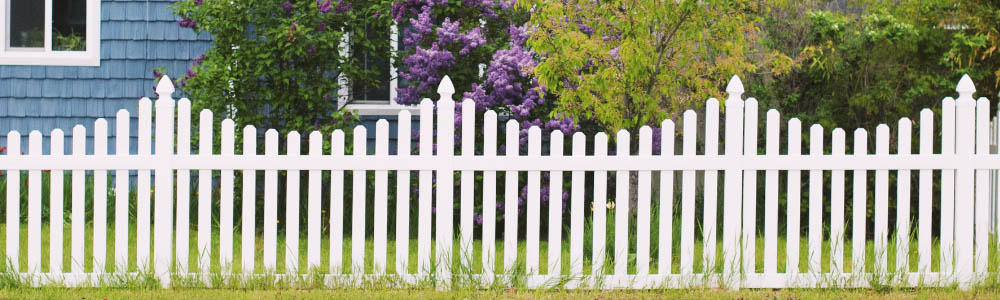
(48, 57)
(377, 108)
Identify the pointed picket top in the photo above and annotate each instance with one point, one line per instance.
(965, 86)
(446, 89)
(735, 86)
(165, 88)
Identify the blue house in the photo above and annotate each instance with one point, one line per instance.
(69, 62)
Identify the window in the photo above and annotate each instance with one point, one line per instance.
(50, 32)
(379, 99)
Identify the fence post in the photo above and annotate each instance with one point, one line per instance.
(164, 188)
(445, 179)
(734, 178)
(964, 133)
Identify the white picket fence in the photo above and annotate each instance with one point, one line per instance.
(965, 165)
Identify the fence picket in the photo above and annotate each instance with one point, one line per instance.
(294, 149)
(249, 199)
(903, 199)
(380, 221)
(164, 183)
(860, 203)
(881, 248)
(555, 207)
(815, 201)
(982, 197)
(35, 206)
(315, 211)
(78, 241)
(622, 211)
(489, 196)
(270, 204)
(947, 235)
(576, 209)
(337, 206)
(794, 199)
(711, 199)
(402, 195)
(926, 189)
(13, 224)
(731, 230)
(425, 190)
(226, 198)
(965, 130)
(510, 199)
(644, 193)
(837, 205)
(56, 199)
(445, 178)
(690, 138)
(532, 210)
(143, 187)
(467, 180)
(358, 204)
(205, 141)
(100, 200)
(665, 257)
(600, 227)
(750, 188)
(183, 187)
(772, 132)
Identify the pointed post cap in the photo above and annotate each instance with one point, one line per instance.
(446, 89)
(965, 86)
(165, 87)
(735, 86)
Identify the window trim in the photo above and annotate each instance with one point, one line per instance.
(47, 57)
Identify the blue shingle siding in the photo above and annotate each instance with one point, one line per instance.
(136, 37)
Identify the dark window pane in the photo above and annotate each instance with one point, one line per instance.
(69, 25)
(27, 23)
(378, 64)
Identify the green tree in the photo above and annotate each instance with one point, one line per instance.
(625, 64)
(976, 48)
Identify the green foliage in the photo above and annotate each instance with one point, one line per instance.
(625, 64)
(975, 48)
(68, 42)
(274, 64)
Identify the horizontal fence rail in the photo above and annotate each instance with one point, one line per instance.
(470, 204)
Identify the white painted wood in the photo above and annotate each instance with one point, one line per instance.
(510, 198)
(14, 207)
(337, 206)
(859, 215)
(489, 236)
(183, 223)
(34, 207)
(732, 194)
(270, 205)
(228, 140)
(622, 211)
(358, 204)
(666, 219)
(947, 227)
(78, 241)
(425, 192)
(446, 179)
(249, 230)
(815, 201)
(205, 141)
(925, 218)
(315, 213)
(837, 204)
(143, 188)
(294, 148)
(965, 130)
(403, 195)
(56, 209)
(772, 132)
(687, 195)
(576, 209)
(380, 221)
(794, 200)
(711, 198)
(750, 188)
(903, 199)
(533, 208)
(881, 249)
(555, 206)
(467, 182)
(600, 207)
(643, 206)
(100, 200)
(982, 197)
(164, 184)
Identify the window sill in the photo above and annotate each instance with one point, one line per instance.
(67, 58)
(381, 108)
